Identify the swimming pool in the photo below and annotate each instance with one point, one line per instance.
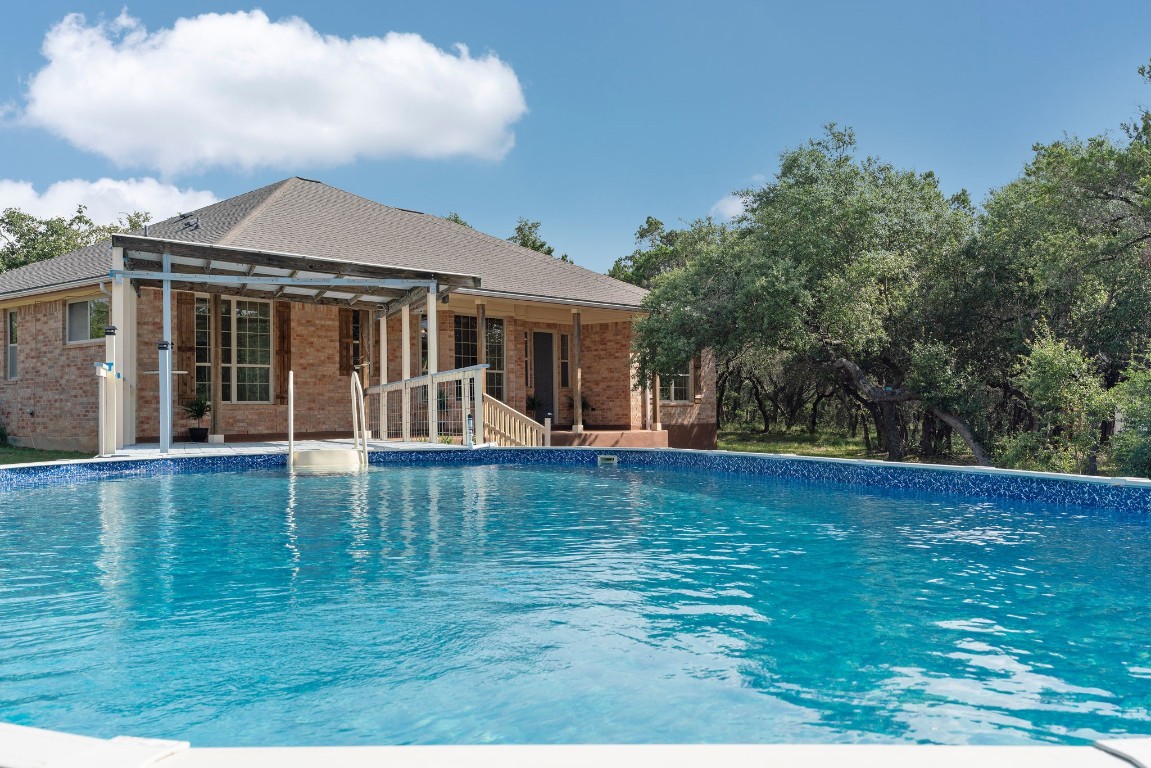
(524, 603)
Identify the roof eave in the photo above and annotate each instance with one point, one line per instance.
(512, 295)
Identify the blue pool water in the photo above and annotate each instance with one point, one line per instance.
(521, 604)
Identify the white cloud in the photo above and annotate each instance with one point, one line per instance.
(239, 90)
(107, 200)
(727, 208)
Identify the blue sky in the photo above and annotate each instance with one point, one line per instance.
(590, 116)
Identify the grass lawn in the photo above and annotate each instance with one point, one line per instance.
(12, 455)
(826, 444)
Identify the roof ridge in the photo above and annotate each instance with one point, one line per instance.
(243, 223)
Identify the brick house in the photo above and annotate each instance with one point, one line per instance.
(300, 276)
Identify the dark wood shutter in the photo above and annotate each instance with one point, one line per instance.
(282, 317)
(185, 347)
(345, 341)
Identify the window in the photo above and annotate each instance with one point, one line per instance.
(12, 344)
(204, 347)
(423, 344)
(677, 387)
(467, 350)
(352, 340)
(245, 350)
(86, 319)
(565, 362)
(527, 360)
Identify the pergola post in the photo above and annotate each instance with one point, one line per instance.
(216, 380)
(383, 334)
(165, 352)
(433, 361)
(577, 378)
(406, 369)
(118, 345)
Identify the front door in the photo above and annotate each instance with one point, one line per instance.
(545, 376)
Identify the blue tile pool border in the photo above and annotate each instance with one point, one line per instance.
(1125, 494)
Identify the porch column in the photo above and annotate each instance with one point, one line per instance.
(406, 369)
(383, 336)
(433, 329)
(577, 382)
(482, 333)
(656, 425)
(216, 380)
(433, 361)
(165, 352)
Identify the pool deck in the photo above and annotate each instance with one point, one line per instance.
(22, 747)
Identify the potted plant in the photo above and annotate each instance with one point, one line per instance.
(197, 409)
(534, 406)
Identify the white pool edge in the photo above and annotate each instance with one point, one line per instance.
(24, 747)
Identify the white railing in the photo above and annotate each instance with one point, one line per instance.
(505, 426)
(440, 407)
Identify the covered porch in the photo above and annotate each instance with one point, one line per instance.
(542, 358)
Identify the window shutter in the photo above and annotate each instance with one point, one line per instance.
(346, 341)
(282, 317)
(185, 347)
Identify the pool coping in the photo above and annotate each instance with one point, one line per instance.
(1127, 494)
(24, 747)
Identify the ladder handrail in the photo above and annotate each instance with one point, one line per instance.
(291, 416)
(359, 419)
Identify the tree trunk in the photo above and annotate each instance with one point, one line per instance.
(892, 435)
(959, 427)
(759, 402)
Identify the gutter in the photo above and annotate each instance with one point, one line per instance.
(47, 289)
(547, 299)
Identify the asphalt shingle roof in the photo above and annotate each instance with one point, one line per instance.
(311, 218)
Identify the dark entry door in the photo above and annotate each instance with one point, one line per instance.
(545, 377)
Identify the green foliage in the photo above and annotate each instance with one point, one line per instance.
(1130, 448)
(197, 409)
(1069, 402)
(455, 218)
(527, 235)
(26, 239)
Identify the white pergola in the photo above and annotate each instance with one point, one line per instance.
(215, 269)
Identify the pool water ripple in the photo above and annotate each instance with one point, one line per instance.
(517, 604)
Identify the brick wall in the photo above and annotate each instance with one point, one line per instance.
(323, 402)
(54, 402)
(693, 425)
(57, 380)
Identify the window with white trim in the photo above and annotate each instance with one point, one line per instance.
(87, 319)
(11, 343)
(678, 387)
(467, 345)
(245, 350)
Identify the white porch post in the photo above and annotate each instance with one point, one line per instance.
(656, 425)
(577, 365)
(433, 362)
(165, 349)
(383, 334)
(406, 369)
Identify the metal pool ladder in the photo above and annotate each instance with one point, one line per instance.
(331, 459)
